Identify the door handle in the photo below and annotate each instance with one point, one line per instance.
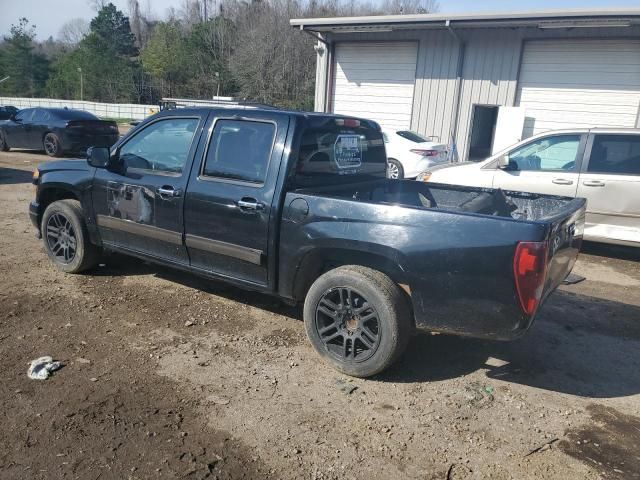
(562, 181)
(593, 183)
(168, 191)
(247, 203)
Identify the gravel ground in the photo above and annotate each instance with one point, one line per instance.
(170, 376)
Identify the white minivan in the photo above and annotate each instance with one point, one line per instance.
(601, 165)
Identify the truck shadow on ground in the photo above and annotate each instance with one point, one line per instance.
(611, 251)
(13, 176)
(579, 345)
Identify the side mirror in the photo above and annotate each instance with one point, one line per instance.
(98, 157)
(503, 162)
(16, 119)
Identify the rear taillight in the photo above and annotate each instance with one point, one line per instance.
(426, 153)
(530, 272)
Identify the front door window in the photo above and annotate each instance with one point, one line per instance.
(556, 153)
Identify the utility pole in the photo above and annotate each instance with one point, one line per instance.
(81, 85)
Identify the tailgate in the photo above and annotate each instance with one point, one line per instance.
(564, 238)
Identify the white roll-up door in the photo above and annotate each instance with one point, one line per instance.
(579, 83)
(375, 81)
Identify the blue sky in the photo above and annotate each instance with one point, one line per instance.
(50, 15)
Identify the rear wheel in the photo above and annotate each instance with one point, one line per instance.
(66, 239)
(52, 146)
(3, 143)
(394, 169)
(357, 319)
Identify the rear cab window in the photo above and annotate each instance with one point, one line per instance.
(615, 155)
(339, 150)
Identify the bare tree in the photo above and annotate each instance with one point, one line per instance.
(73, 31)
(400, 7)
(97, 5)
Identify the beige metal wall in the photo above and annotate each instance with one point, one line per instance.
(490, 74)
(491, 63)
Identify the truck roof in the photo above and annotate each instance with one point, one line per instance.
(240, 110)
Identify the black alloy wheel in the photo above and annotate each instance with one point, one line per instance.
(348, 326)
(61, 238)
(51, 145)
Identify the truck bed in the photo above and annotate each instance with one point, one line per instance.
(451, 198)
(454, 247)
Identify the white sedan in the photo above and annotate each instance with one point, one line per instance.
(409, 153)
(601, 165)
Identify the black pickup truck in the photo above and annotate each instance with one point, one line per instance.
(298, 205)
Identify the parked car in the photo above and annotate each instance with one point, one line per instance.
(409, 153)
(229, 194)
(56, 131)
(7, 111)
(601, 165)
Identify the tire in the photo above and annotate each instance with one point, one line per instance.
(373, 327)
(52, 145)
(394, 169)
(3, 143)
(73, 253)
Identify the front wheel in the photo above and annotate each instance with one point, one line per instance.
(394, 169)
(66, 239)
(3, 143)
(357, 319)
(52, 146)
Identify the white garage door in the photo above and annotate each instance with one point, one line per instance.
(375, 81)
(579, 83)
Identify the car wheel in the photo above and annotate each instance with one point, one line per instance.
(357, 319)
(394, 169)
(52, 145)
(66, 239)
(3, 143)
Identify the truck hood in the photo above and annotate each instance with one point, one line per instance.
(60, 165)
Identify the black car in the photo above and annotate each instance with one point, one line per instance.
(298, 206)
(56, 131)
(7, 111)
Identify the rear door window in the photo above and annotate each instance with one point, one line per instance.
(615, 155)
(340, 149)
(240, 150)
(40, 115)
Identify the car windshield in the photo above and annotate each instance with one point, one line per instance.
(413, 136)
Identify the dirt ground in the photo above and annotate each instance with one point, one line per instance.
(240, 393)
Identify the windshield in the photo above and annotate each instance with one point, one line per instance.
(413, 136)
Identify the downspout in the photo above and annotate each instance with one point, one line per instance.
(327, 53)
(460, 66)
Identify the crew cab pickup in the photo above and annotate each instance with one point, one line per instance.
(298, 205)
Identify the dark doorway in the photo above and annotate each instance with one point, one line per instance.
(483, 126)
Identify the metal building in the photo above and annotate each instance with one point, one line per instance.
(481, 81)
